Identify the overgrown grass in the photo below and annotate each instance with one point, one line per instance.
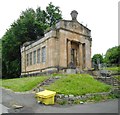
(78, 84)
(22, 84)
(114, 69)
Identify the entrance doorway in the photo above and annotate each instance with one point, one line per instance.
(73, 54)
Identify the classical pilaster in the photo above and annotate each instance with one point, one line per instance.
(23, 59)
(69, 52)
(81, 56)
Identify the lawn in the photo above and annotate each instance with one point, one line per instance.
(22, 84)
(114, 69)
(78, 84)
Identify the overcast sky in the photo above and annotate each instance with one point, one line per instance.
(101, 17)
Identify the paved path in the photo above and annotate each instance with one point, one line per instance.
(28, 100)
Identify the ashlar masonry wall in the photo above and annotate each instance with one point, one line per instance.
(50, 62)
(69, 42)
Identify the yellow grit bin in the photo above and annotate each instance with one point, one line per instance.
(46, 97)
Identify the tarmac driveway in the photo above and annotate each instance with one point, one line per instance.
(30, 105)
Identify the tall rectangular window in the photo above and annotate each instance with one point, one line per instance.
(27, 59)
(43, 54)
(34, 57)
(38, 55)
(30, 58)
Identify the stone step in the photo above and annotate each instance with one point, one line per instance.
(116, 84)
(46, 83)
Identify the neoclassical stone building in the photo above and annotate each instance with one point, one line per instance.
(67, 45)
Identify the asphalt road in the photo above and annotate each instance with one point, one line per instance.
(3, 109)
(102, 107)
(30, 105)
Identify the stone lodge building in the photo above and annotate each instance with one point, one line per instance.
(67, 45)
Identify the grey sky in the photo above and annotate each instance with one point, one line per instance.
(101, 16)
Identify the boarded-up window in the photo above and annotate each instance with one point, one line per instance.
(38, 56)
(34, 57)
(43, 54)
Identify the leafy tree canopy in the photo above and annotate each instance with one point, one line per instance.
(97, 58)
(30, 26)
(112, 55)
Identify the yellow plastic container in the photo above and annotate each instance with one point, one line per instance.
(46, 97)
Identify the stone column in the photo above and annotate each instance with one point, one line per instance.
(23, 60)
(69, 52)
(80, 56)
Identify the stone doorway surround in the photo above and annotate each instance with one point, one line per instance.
(75, 54)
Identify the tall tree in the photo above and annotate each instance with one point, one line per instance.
(53, 14)
(30, 26)
(97, 58)
(112, 55)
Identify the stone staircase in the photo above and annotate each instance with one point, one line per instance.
(109, 80)
(45, 83)
(104, 76)
(114, 82)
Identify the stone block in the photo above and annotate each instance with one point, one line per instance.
(66, 96)
(71, 96)
(71, 71)
(17, 106)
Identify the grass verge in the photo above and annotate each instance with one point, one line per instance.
(78, 84)
(22, 84)
(113, 69)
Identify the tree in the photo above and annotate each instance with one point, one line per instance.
(97, 58)
(30, 26)
(112, 55)
(53, 14)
